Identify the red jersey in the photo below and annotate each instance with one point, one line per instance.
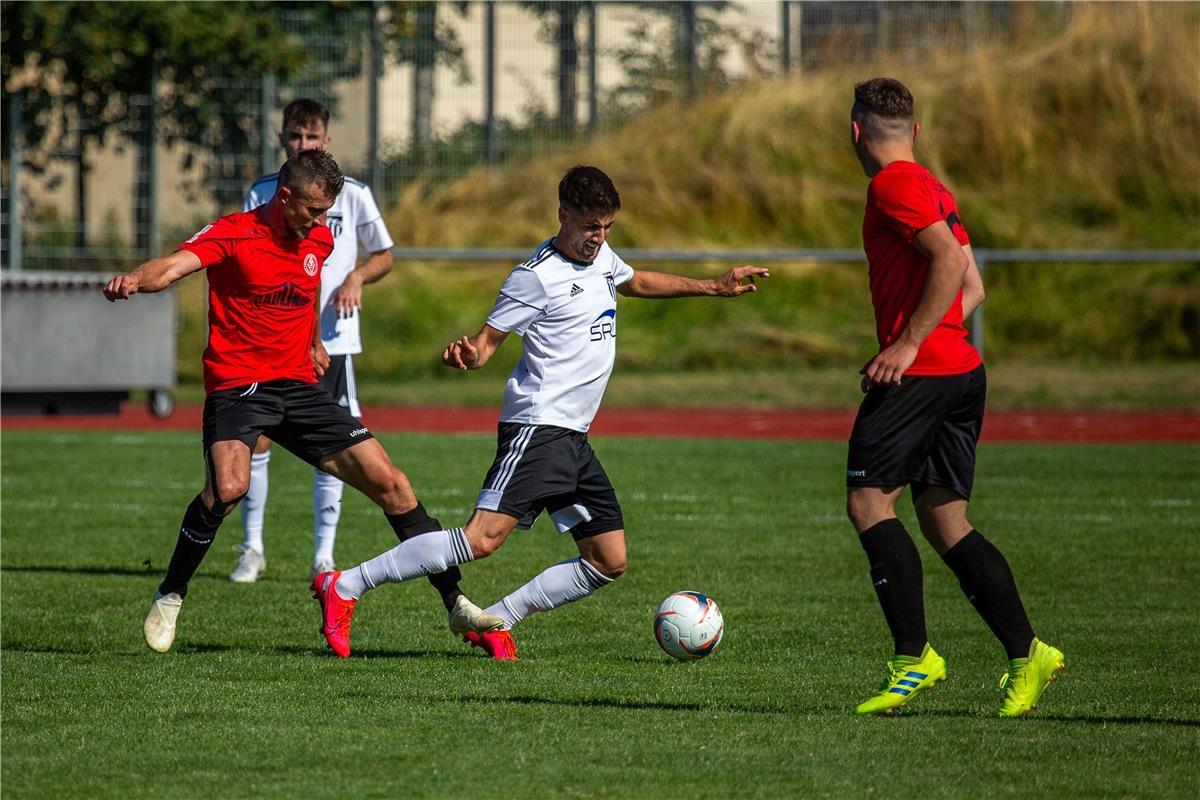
(902, 200)
(262, 292)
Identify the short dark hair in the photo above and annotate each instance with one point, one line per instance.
(886, 98)
(588, 189)
(309, 168)
(304, 113)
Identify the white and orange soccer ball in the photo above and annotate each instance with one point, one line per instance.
(688, 625)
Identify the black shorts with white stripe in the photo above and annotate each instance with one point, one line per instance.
(543, 467)
(301, 417)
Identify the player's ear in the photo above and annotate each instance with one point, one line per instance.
(916, 131)
(283, 140)
(856, 131)
(562, 215)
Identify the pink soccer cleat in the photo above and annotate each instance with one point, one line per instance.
(336, 612)
(497, 644)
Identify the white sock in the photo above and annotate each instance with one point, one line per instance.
(254, 504)
(556, 586)
(327, 508)
(426, 554)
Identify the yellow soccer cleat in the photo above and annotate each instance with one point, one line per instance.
(1027, 678)
(906, 676)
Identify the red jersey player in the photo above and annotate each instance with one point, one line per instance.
(261, 365)
(919, 423)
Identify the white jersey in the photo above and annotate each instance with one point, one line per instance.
(566, 311)
(353, 218)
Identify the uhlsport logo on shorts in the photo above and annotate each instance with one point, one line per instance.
(310, 264)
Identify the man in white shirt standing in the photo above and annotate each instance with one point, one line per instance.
(354, 218)
(563, 303)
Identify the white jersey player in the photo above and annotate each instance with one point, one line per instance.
(353, 219)
(563, 303)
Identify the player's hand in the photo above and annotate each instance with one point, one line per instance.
(348, 297)
(887, 368)
(121, 287)
(730, 284)
(320, 358)
(461, 354)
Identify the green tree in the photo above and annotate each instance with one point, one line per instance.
(85, 71)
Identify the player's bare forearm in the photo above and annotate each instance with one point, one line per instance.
(152, 276)
(377, 265)
(472, 352)
(665, 285)
(349, 295)
(948, 265)
(973, 293)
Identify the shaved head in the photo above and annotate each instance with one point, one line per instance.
(884, 109)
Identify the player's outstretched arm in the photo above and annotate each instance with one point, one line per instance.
(153, 276)
(472, 352)
(664, 285)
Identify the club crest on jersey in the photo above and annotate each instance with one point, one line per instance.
(335, 225)
(604, 326)
(310, 264)
(612, 286)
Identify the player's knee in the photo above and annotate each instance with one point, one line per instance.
(859, 512)
(226, 494)
(610, 563)
(612, 567)
(392, 489)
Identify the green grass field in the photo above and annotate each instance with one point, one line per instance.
(251, 704)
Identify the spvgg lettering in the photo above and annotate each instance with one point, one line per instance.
(605, 326)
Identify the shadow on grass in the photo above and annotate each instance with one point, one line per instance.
(208, 648)
(121, 571)
(1087, 719)
(626, 704)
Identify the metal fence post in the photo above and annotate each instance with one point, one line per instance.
(266, 153)
(14, 182)
(687, 48)
(977, 314)
(593, 48)
(785, 36)
(374, 168)
(489, 83)
(153, 242)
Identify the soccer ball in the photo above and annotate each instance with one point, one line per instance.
(688, 625)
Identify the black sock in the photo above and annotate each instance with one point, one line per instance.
(415, 522)
(896, 573)
(986, 580)
(196, 535)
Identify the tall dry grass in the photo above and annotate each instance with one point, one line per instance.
(1089, 136)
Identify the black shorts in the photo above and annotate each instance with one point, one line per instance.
(300, 416)
(541, 467)
(339, 381)
(922, 432)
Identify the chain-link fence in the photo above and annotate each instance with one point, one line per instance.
(424, 91)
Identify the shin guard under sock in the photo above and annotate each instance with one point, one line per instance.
(898, 579)
(196, 535)
(417, 521)
(987, 581)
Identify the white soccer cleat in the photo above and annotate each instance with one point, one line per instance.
(249, 567)
(159, 627)
(321, 567)
(466, 616)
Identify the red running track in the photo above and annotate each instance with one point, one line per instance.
(728, 423)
